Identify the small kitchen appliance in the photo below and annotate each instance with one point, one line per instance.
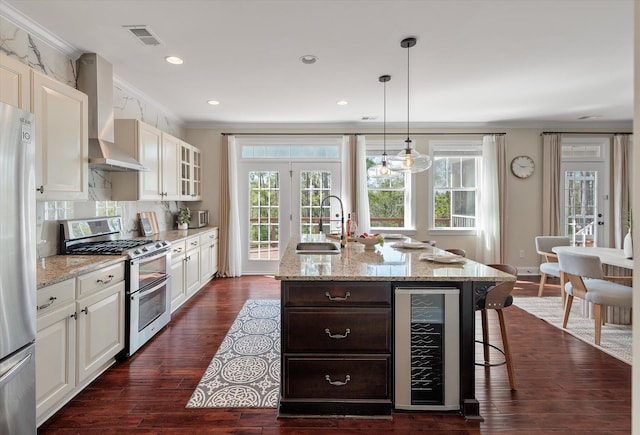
(199, 218)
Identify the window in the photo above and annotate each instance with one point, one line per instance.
(390, 204)
(109, 208)
(454, 177)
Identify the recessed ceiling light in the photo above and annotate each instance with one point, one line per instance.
(308, 59)
(213, 102)
(175, 60)
(342, 103)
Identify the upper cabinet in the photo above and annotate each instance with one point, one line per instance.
(15, 83)
(164, 155)
(190, 173)
(61, 116)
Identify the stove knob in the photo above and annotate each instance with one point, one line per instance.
(136, 252)
(145, 249)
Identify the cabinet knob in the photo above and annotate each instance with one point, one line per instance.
(40, 189)
(74, 316)
(85, 310)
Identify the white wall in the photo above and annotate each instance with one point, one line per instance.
(524, 196)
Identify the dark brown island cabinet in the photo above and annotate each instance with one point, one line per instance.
(366, 332)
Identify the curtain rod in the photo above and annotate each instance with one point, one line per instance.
(358, 134)
(615, 133)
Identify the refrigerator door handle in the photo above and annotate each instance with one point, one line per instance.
(13, 371)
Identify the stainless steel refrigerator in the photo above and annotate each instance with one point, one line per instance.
(17, 272)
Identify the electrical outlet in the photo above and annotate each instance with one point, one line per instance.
(522, 253)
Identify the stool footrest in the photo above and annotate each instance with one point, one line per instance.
(487, 363)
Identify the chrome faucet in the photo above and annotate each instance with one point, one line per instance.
(343, 239)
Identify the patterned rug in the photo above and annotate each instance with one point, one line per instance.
(616, 340)
(245, 371)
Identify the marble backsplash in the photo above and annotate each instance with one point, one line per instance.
(48, 213)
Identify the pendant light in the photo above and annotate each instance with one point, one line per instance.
(409, 160)
(381, 170)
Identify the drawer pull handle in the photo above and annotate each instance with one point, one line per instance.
(105, 281)
(337, 383)
(52, 299)
(337, 298)
(338, 336)
(177, 250)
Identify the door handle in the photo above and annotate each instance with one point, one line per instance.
(13, 371)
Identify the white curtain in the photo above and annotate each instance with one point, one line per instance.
(621, 180)
(362, 194)
(551, 160)
(235, 239)
(488, 214)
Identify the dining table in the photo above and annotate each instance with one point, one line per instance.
(615, 265)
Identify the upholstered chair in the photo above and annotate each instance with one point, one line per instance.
(585, 280)
(550, 266)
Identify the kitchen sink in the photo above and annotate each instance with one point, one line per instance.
(317, 248)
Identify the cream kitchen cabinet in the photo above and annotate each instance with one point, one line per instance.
(61, 118)
(170, 162)
(158, 151)
(190, 173)
(192, 265)
(62, 161)
(15, 82)
(178, 285)
(208, 255)
(55, 345)
(101, 323)
(80, 331)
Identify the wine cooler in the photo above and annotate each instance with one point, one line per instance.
(427, 361)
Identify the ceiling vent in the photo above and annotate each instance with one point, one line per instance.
(143, 34)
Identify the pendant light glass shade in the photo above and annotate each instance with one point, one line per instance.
(409, 159)
(381, 170)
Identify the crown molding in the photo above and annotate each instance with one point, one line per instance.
(19, 19)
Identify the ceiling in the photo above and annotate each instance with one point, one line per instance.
(480, 62)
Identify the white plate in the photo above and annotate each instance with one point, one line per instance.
(442, 258)
(412, 245)
(393, 236)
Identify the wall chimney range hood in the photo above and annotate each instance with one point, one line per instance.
(95, 78)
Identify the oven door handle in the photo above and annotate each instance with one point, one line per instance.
(144, 292)
(152, 256)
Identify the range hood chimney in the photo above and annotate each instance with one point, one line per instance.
(95, 78)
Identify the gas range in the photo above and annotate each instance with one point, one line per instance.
(100, 236)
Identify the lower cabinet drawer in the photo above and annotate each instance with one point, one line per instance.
(343, 330)
(337, 378)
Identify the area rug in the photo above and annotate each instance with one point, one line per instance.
(616, 340)
(245, 371)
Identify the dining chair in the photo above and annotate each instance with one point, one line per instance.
(497, 298)
(586, 280)
(550, 266)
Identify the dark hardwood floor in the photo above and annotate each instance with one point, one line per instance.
(565, 386)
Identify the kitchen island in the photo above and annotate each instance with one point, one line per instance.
(346, 340)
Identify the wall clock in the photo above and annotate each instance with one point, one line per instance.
(522, 166)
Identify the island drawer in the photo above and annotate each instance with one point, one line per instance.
(339, 377)
(342, 330)
(335, 294)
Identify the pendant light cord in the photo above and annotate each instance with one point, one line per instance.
(408, 94)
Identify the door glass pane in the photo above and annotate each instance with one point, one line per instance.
(264, 203)
(580, 205)
(314, 186)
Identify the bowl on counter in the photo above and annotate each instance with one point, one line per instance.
(368, 242)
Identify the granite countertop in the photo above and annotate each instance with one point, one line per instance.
(57, 268)
(385, 263)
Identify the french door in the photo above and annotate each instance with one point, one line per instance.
(278, 199)
(585, 189)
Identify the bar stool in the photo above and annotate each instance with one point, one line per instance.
(498, 298)
(457, 251)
